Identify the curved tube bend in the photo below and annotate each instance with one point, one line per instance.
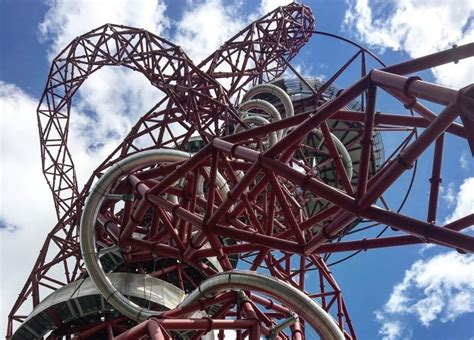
(263, 105)
(272, 136)
(346, 158)
(273, 90)
(293, 298)
(277, 92)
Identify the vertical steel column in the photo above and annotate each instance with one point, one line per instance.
(435, 179)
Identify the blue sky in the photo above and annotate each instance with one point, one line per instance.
(387, 290)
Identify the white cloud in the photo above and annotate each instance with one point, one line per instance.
(199, 35)
(304, 70)
(26, 205)
(448, 194)
(67, 19)
(440, 288)
(417, 27)
(269, 5)
(116, 109)
(464, 200)
(25, 198)
(206, 25)
(464, 161)
(389, 330)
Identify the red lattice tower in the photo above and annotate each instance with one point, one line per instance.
(233, 168)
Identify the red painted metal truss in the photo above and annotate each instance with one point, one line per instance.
(225, 173)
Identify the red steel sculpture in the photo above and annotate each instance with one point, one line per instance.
(217, 214)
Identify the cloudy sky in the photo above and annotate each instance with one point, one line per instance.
(414, 292)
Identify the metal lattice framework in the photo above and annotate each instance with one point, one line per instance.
(215, 175)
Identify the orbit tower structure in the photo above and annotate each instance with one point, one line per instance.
(217, 213)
